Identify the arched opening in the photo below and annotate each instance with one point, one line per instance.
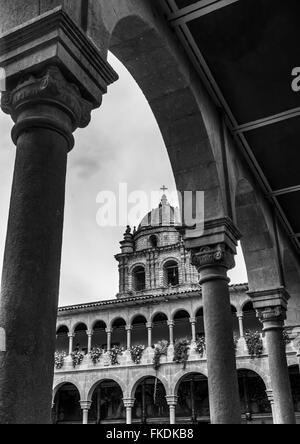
(171, 274)
(182, 327)
(295, 386)
(151, 405)
(193, 400)
(250, 320)
(257, 238)
(160, 329)
(119, 335)
(139, 334)
(255, 405)
(67, 409)
(200, 331)
(81, 338)
(139, 279)
(235, 322)
(62, 340)
(153, 241)
(107, 404)
(99, 338)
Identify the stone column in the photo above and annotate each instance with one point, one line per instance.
(129, 404)
(90, 338)
(109, 334)
(193, 325)
(240, 317)
(171, 325)
(271, 400)
(149, 326)
(172, 403)
(213, 255)
(71, 342)
(50, 92)
(271, 308)
(85, 407)
(129, 330)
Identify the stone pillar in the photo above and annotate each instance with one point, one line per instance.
(271, 308)
(71, 342)
(171, 325)
(172, 403)
(149, 326)
(213, 255)
(85, 407)
(193, 325)
(129, 330)
(90, 338)
(109, 334)
(240, 317)
(128, 404)
(47, 107)
(271, 400)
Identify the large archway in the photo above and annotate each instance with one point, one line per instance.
(107, 404)
(150, 402)
(193, 399)
(67, 409)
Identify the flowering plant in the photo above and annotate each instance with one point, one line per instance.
(114, 353)
(137, 353)
(181, 352)
(254, 344)
(59, 359)
(96, 354)
(161, 349)
(77, 358)
(201, 345)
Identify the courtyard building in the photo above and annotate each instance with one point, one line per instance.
(105, 372)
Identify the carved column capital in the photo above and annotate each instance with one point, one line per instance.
(149, 325)
(128, 402)
(47, 100)
(272, 317)
(85, 405)
(172, 400)
(211, 256)
(171, 323)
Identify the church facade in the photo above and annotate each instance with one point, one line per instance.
(141, 357)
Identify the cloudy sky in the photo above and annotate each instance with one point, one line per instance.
(122, 145)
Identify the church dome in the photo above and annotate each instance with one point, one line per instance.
(163, 216)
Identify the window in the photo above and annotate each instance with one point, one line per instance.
(171, 274)
(139, 279)
(153, 240)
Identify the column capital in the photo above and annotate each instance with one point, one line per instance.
(271, 306)
(172, 400)
(90, 332)
(108, 330)
(85, 405)
(71, 335)
(193, 320)
(270, 396)
(128, 402)
(149, 325)
(129, 328)
(171, 323)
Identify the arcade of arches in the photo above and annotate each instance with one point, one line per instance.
(218, 134)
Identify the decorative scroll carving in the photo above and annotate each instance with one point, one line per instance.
(51, 88)
(272, 317)
(211, 256)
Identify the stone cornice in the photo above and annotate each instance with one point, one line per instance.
(54, 39)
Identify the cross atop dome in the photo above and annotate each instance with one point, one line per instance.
(164, 188)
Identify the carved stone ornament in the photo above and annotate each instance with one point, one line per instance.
(52, 89)
(272, 317)
(212, 256)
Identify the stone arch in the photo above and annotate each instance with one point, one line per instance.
(181, 375)
(159, 312)
(76, 325)
(116, 318)
(291, 272)
(178, 310)
(256, 368)
(62, 326)
(137, 315)
(183, 110)
(150, 374)
(89, 390)
(67, 380)
(257, 241)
